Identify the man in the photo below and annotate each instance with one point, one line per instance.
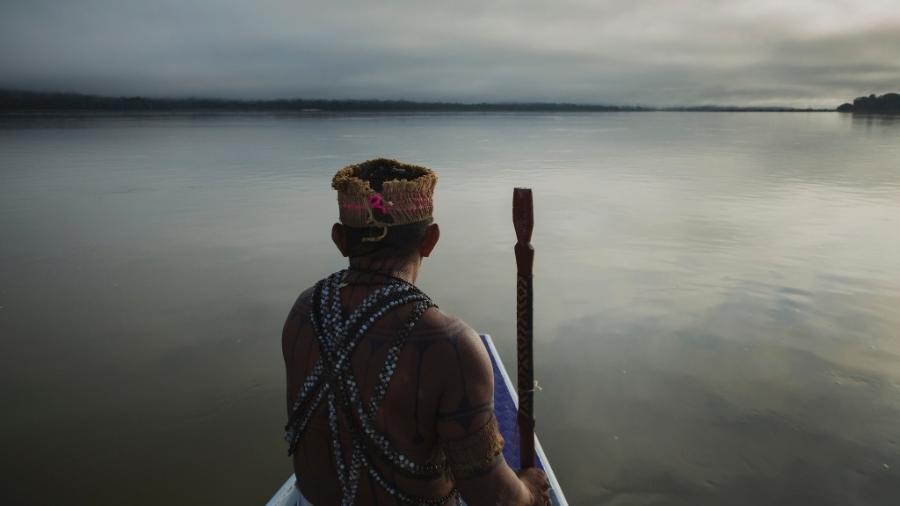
(390, 400)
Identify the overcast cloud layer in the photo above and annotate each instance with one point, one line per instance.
(652, 52)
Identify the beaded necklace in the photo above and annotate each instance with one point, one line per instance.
(331, 380)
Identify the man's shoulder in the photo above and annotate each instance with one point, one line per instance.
(302, 305)
(306, 296)
(464, 352)
(436, 324)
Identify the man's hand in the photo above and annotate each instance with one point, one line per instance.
(536, 482)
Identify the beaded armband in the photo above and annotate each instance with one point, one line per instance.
(476, 452)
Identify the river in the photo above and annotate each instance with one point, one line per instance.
(717, 295)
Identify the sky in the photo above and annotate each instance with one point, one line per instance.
(798, 53)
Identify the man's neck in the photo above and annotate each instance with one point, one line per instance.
(406, 269)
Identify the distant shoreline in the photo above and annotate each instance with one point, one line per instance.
(889, 103)
(17, 101)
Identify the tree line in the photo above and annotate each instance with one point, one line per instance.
(889, 103)
(28, 101)
(15, 100)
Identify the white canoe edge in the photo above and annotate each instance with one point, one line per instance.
(287, 494)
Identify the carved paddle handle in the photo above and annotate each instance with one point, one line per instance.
(523, 220)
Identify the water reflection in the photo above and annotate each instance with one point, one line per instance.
(891, 121)
(716, 295)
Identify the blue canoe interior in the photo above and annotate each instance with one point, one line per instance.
(505, 406)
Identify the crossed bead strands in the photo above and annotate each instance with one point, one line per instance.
(296, 427)
(338, 338)
(349, 391)
(350, 400)
(299, 417)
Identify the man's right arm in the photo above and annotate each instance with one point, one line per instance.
(469, 435)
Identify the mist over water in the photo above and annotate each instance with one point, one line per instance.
(716, 295)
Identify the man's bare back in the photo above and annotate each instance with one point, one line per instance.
(437, 407)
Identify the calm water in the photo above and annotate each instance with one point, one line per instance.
(717, 295)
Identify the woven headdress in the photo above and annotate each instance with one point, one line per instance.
(405, 196)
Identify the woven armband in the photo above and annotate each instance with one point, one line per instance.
(476, 452)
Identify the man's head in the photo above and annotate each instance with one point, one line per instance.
(385, 210)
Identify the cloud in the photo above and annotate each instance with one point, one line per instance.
(622, 52)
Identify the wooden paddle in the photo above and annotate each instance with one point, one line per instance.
(523, 220)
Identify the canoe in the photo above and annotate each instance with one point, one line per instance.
(505, 406)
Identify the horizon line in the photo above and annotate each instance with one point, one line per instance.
(124, 100)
